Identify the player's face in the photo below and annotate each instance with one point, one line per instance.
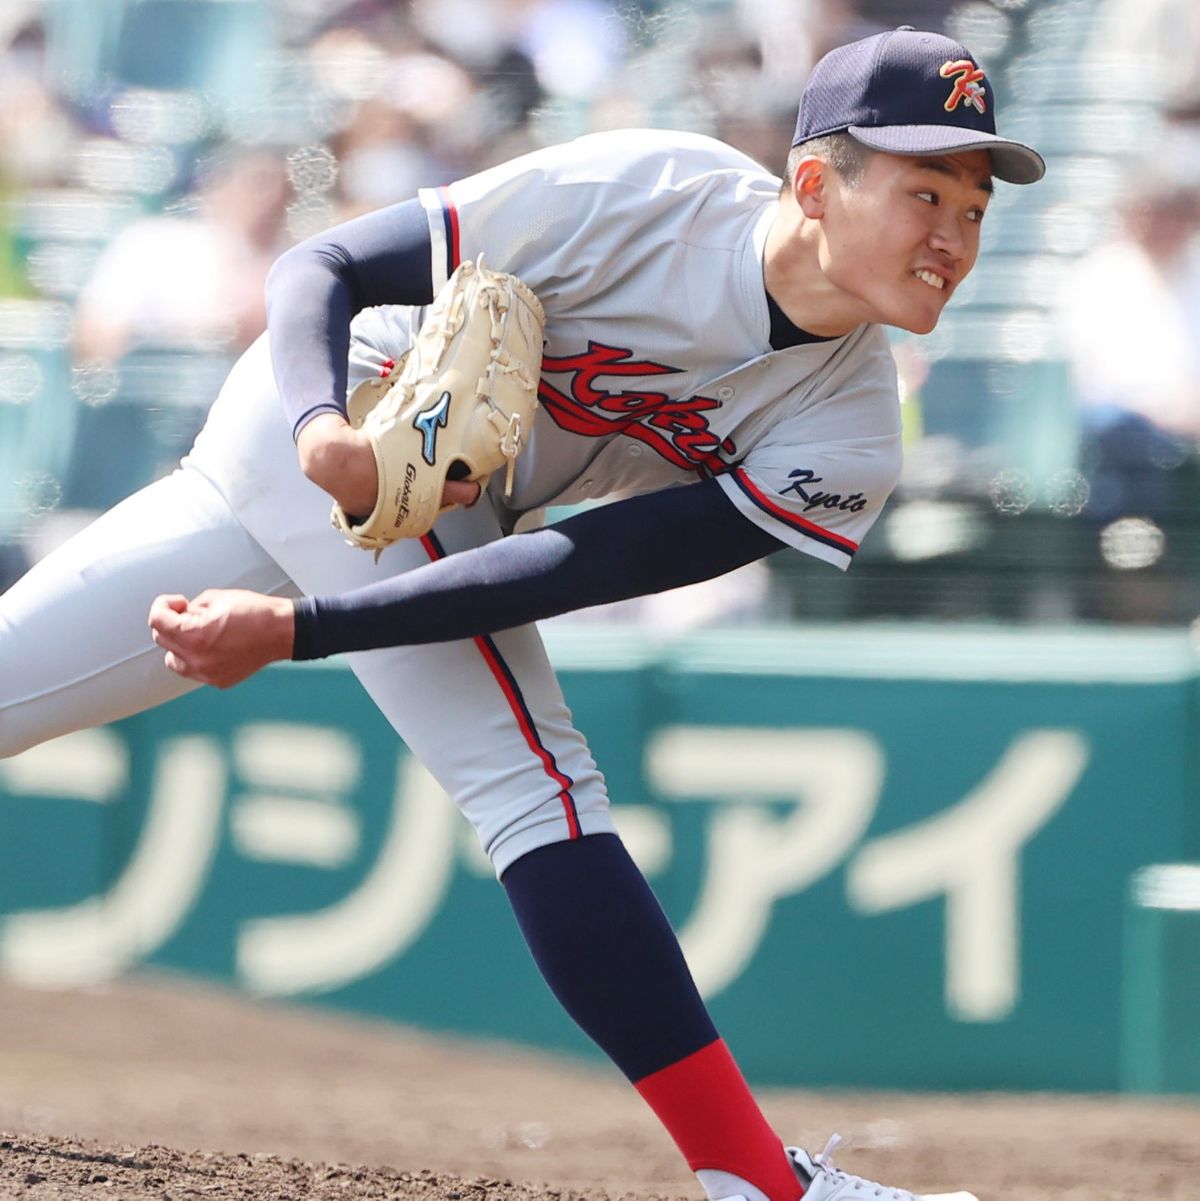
(907, 235)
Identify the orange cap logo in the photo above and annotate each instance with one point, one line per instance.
(967, 89)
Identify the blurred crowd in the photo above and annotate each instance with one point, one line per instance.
(157, 155)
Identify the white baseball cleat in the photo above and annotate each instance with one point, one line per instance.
(824, 1182)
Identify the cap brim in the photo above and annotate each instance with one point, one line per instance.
(1012, 162)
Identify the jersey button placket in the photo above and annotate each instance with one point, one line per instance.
(725, 392)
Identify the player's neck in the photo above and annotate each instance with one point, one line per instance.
(794, 278)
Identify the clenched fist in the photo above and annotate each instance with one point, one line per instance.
(223, 635)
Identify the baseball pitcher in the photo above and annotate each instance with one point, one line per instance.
(643, 316)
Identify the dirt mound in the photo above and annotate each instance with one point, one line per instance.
(160, 1088)
(46, 1167)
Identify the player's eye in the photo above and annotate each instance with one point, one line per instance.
(976, 215)
(928, 197)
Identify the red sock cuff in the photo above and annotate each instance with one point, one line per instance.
(706, 1106)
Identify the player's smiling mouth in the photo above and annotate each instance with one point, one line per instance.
(928, 277)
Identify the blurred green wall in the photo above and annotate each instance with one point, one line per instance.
(895, 857)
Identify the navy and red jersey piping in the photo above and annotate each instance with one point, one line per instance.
(453, 233)
(793, 520)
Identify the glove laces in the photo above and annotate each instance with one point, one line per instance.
(868, 1188)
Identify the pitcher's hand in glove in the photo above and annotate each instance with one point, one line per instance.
(340, 459)
(459, 406)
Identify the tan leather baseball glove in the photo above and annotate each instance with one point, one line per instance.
(459, 405)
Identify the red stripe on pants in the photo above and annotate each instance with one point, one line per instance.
(516, 704)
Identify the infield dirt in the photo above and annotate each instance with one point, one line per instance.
(154, 1088)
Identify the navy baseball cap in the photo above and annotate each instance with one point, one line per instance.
(908, 92)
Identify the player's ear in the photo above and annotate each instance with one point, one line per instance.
(808, 185)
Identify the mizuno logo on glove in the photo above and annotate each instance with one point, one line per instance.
(429, 421)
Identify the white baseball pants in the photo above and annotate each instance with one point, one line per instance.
(486, 717)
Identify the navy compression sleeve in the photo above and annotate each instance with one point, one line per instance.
(630, 548)
(317, 287)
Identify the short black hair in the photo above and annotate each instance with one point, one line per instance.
(843, 152)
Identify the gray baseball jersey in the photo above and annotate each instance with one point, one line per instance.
(645, 249)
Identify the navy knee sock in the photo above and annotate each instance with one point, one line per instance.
(609, 955)
(605, 948)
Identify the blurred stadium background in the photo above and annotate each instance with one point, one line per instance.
(156, 155)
